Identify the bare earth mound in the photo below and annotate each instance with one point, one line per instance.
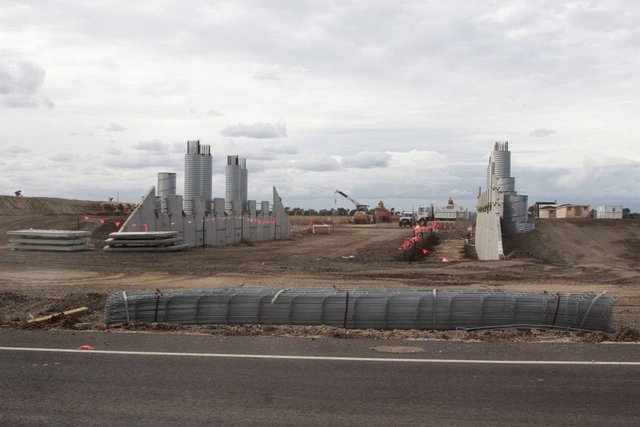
(558, 257)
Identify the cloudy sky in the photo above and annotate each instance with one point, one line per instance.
(398, 101)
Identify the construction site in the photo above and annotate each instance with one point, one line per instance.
(568, 257)
(234, 265)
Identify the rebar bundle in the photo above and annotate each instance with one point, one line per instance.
(379, 309)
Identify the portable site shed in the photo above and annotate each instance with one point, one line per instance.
(572, 211)
(609, 212)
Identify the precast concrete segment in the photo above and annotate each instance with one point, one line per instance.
(197, 174)
(236, 184)
(209, 229)
(327, 358)
(500, 208)
(379, 309)
(166, 188)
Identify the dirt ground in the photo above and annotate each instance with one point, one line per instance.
(560, 256)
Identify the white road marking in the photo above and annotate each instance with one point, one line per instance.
(324, 358)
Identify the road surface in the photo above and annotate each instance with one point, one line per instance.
(153, 379)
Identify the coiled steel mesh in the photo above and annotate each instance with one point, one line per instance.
(379, 309)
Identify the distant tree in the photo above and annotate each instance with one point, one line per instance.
(311, 212)
(626, 213)
(296, 211)
(342, 212)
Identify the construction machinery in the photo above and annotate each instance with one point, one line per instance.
(361, 214)
(450, 212)
(407, 219)
(381, 214)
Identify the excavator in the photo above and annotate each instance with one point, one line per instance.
(361, 215)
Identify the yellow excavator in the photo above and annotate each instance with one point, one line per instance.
(361, 214)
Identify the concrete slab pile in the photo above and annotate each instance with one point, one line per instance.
(149, 241)
(380, 308)
(49, 240)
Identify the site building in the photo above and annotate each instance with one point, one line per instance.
(537, 206)
(609, 212)
(564, 211)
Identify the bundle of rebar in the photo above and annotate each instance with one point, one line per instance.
(379, 309)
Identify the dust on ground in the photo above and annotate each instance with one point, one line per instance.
(560, 256)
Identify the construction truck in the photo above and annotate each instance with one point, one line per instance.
(407, 219)
(424, 214)
(361, 213)
(381, 214)
(450, 212)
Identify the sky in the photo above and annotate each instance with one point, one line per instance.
(399, 101)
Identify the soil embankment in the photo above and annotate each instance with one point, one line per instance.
(587, 242)
(49, 213)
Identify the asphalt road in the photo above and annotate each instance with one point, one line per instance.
(148, 379)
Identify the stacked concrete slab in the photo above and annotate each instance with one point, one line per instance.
(49, 240)
(150, 241)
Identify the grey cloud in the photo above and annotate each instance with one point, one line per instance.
(115, 128)
(542, 133)
(595, 182)
(273, 153)
(178, 147)
(282, 149)
(214, 113)
(318, 164)
(256, 130)
(141, 162)
(23, 78)
(154, 146)
(14, 151)
(25, 101)
(22, 101)
(112, 151)
(21, 85)
(47, 102)
(367, 160)
(61, 156)
(268, 73)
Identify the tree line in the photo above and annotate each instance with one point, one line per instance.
(322, 212)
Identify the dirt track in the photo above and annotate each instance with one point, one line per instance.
(561, 256)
